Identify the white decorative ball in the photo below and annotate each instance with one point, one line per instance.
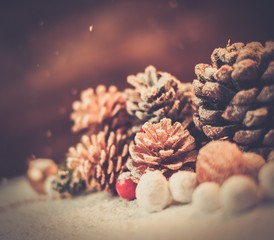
(206, 196)
(239, 193)
(152, 192)
(182, 185)
(266, 180)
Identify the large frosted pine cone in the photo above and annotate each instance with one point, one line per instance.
(162, 146)
(157, 95)
(235, 96)
(101, 157)
(99, 107)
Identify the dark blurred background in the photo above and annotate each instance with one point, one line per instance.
(51, 50)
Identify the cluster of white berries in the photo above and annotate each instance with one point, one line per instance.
(239, 192)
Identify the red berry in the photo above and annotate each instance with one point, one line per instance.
(126, 187)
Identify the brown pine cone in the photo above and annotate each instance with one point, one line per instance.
(157, 95)
(99, 107)
(235, 96)
(162, 146)
(101, 157)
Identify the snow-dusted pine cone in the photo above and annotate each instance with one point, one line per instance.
(157, 95)
(101, 157)
(69, 181)
(235, 96)
(99, 107)
(162, 146)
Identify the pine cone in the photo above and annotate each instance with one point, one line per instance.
(101, 157)
(99, 108)
(162, 146)
(235, 96)
(69, 181)
(157, 95)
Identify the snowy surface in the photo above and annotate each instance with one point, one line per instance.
(25, 215)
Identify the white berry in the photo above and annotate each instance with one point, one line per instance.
(206, 196)
(266, 180)
(152, 192)
(239, 193)
(182, 185)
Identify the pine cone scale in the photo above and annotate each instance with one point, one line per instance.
(212, 91)
(247, 137)
(207, 115)
(268, 75)
(187, 147)
(222, 75)
(216, 132)
(235, 113)
(269, 138)
(245, 70)
(266, 95)
(256, 117)
(245, 97)
(119, 163)
(174, 166)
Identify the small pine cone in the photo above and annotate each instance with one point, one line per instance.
(69, 181)
(157, 95)
(101, 157)
(235, 96)
(99, 107)
(162, 146)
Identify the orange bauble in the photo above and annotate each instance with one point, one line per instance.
(219, 160)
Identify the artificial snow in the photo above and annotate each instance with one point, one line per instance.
(25, 215)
